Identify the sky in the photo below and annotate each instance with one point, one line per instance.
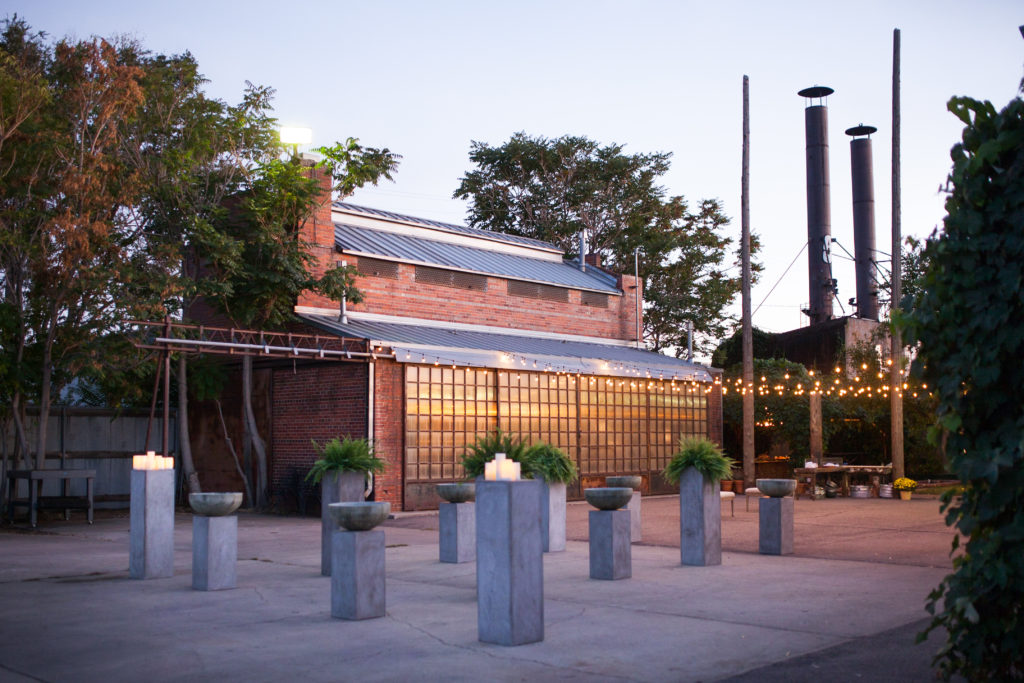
(424, 79)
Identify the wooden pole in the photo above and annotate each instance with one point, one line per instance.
(748, 338)
(167, 392)
(895, 376)
(815, 423)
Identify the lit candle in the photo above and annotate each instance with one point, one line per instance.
(138, 462)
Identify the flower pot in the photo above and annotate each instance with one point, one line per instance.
(737, 485)
(727, 484)
(905, 495)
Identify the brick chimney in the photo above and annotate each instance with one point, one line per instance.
(318, 231)
(593, 259)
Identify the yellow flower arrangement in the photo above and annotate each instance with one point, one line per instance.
(904, 484)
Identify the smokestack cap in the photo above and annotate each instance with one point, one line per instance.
(860, 130)
(815, 92)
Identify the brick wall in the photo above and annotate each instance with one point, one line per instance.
(406, 297)
(317, 401)
(388, 430)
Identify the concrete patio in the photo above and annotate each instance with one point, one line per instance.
(846, 606)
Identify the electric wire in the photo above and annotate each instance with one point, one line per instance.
(779, 280)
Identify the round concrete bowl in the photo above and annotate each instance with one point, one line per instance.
(608, 498)
(460, 492)
(214, 504)
(632, 481)
(776, 488)
(359, 516)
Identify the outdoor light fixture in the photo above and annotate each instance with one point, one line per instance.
(501, 469)
(152, 461)
(296, 135)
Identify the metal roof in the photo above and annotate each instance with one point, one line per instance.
(447, 227)
(408, 248)
(514, 350)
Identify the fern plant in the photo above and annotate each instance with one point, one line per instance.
(344, 455)
(483, 449)
(551, 464)
(701, 454)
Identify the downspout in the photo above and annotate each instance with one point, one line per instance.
(369, 420)
(343, 316)
(636, 296)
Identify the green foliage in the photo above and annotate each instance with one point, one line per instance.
(551, 464)
(968, 322)
(701, 454)
(551, 189)
(344, 455)
(483, 449)
(730, 350)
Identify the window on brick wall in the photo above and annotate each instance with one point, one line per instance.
(451, 278)
(594, 299)
(378, 268)
(533, 290)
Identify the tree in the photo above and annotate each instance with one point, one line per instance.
(256, 263)
(968, 322)
(553, 189)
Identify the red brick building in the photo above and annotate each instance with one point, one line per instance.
(471, 330)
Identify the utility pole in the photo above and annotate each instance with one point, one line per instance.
(748, 337)
(895, 375)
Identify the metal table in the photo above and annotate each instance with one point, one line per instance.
(37, 501)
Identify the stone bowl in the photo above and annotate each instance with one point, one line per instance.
(632, 481)
(776, 488)
(608, 498)
(359, 516)
(214, 504)
(460, 492)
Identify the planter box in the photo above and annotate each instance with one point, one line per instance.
(700, 520)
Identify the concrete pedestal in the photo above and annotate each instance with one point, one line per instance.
(214, 552)
(151, 524)
(611, 555)
(552, 523)
(636, 533)
(336, 487)
(357, 576)
(700, 520)
(457, 527)
(775, 536)
(509, 562)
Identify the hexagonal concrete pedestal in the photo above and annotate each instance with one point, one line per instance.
(775, 536)
(611, 555)
(357, 574)
(214, 552)
(457, 531)
(509, 562)
(151, 524)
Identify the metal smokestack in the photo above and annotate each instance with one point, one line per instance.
(861, 170)
(819, 212)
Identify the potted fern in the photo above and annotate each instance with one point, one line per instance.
(342, 468)
(483, 449)
(698, 467)
(556, 470)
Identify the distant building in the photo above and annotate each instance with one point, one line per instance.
(473, 330)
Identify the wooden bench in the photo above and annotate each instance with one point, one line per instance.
(36, 501)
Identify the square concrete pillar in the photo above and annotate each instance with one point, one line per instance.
(509, 562)
(214, 552)
(336, 487)
(457, 528)
(700, 520)
(775, 536)
(636, 532)
(357, 574)
(611, 555)
(552, 524)
(151, 524)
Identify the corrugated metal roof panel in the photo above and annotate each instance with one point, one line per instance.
(448, 227)
(363, 240)
(512, 351)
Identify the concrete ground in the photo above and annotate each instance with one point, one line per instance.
(846, 606)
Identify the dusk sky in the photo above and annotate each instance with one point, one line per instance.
(426, 78)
